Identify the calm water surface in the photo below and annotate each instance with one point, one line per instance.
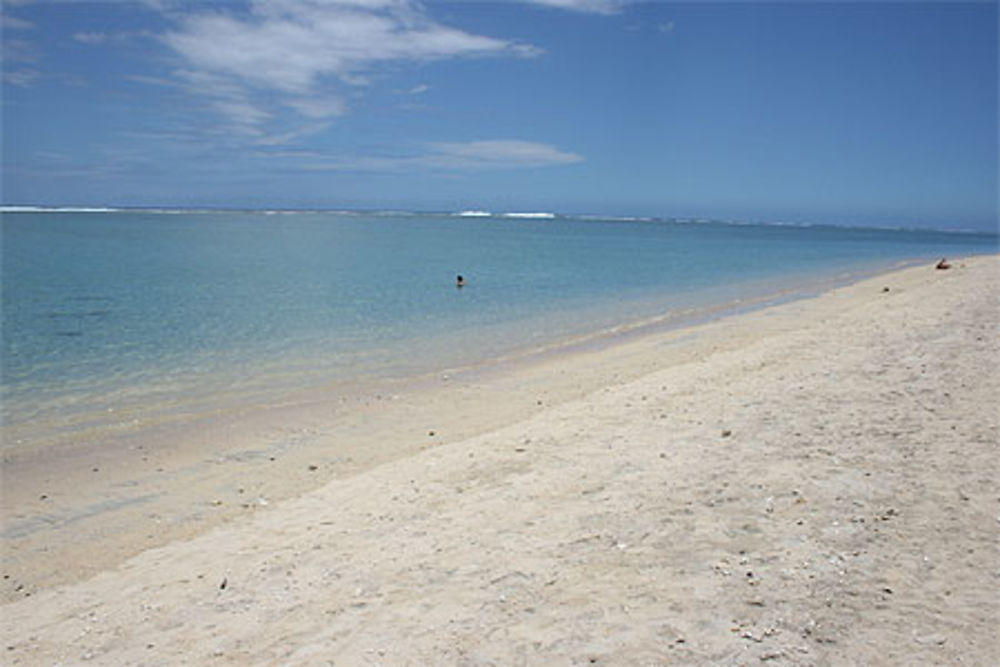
(102, 310)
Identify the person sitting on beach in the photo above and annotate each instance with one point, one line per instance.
(459, 281)
(943, 264)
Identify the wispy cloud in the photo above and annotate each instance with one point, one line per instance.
(8, 22)
(591, 6)
(23, 77)
(19, 55)
(91, 37)
(306, 55)
(228, 99)
(458, 156)
(317, 106)
(152, 80)
(498, 154)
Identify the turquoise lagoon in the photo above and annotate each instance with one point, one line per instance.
(180, 311)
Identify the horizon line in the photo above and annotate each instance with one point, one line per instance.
(484, 213)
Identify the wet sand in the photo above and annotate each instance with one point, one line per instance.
(811, 483)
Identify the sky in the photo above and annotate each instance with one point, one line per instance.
(845, 112)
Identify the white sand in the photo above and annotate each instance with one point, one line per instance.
(816, 483)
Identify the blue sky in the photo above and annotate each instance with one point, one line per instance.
(848, 112)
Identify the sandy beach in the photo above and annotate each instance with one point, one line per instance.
(807, 484)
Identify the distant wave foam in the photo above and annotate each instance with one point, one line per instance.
(534, 216)
(58, 209)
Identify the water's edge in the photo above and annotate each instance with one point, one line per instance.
(67, 425)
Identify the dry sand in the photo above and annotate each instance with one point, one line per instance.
(814, 483)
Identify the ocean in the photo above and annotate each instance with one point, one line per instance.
(149, 313)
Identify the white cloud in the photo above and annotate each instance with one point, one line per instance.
(419, 89)
(21, 77)
(303, 54)
(455, 156)
(152, 80)
(291, 136)
(592, 6)
(498, 154)
(13, 23)
(229, 99)
(91, 37)
(318, 107)
(243, 113)
(17, 50)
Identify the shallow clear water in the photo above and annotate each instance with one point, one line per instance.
(112, 307)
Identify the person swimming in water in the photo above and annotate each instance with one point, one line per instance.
(459, 281)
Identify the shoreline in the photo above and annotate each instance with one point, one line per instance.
(163, 407)
(159, 389)
(119, 493)
(813, 482)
